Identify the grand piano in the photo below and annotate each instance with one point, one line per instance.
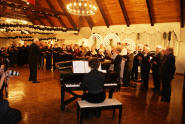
(70, 82)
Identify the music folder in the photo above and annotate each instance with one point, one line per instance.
(83, 67)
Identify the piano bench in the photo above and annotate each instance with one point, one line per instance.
(113, 104)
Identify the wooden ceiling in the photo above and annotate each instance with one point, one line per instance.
(110, 12)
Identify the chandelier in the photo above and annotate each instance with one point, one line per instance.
(81, 7)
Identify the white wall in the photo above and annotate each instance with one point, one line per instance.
(180, 59)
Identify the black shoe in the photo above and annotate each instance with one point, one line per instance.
(135, 80)
(125, 85)
(133, 86)
(165, 99)
(35, 82)
(156, 89)
(30, 79)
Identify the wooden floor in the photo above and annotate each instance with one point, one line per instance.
(40, 103)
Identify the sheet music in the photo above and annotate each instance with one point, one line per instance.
(78, 67)
(87, 68)
(83, 67)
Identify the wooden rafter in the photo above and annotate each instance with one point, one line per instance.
(102, 12)
(41, 22)
(79, 22)
(33, 21)
(61, 4)
(59, 19)
(48, 19)
(150, 11)
(124, 12)
(36, 7)
(30, 19)
(182, 13)
(89, 21)
(50, 22)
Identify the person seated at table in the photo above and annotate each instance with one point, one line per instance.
(94, 82)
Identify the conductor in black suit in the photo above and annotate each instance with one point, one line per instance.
(34, 53)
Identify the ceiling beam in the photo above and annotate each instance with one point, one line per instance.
(150, 11)
(80, 20)
(102, 13)
(33, 22)
(47, 18)
(89, 21)
(182, 13)
(50, 22)
(41, 22)
(30, 19)
(124, 12)
(35, 7)
(61, 4)
(58, 17)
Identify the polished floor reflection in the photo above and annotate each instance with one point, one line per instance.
(40, 103)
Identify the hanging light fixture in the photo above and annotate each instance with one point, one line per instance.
(81, 7)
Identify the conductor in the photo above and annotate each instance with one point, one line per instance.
(34, 52)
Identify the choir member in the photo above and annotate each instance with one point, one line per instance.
(134, 74)
(48, 56)
(93, 51)
(41, 56)
(55, 54)
(25, 53)
(167, 74)
(123, 49)
(128, 68)
(155, 65)
(117, 62)
(77, 51)
(145, 69)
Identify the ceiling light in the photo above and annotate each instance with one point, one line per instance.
(81, 7)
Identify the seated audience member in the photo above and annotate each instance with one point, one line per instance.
(7, 115)
(2, 75)
(94, 81)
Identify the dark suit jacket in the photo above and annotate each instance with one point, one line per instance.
(34, 53)
(156, 58)
(168, 67)
(117, 63)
